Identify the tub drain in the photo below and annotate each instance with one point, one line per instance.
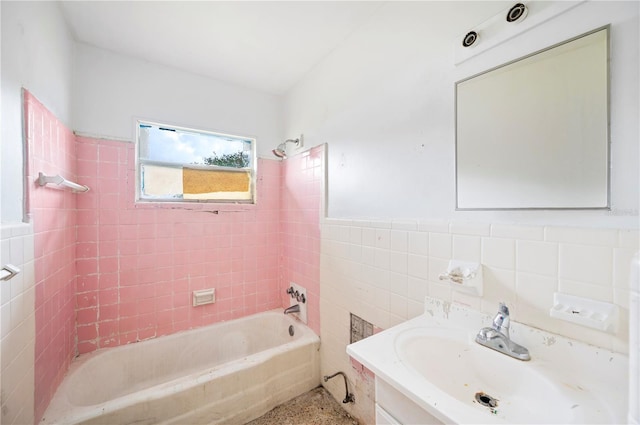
(486, 400)
(291, 330)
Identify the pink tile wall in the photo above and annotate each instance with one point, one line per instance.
(51, 149)
(301, 206)
(139, 263)
(110, 271)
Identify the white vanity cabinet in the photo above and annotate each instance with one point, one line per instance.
(384, 418)
(394, 408)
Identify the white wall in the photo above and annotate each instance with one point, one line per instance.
(110, 90)
(384, 103)
(37, 52)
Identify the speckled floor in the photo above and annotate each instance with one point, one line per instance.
(315, 407)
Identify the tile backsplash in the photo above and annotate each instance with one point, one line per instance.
(390, 267)
(382, 271)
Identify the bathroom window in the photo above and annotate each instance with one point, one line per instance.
(176, 164)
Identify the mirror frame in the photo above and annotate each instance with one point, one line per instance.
(607, 29)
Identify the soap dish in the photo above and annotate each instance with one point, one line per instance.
(464, 276)
(587, 312)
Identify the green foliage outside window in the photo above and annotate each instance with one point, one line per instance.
(236, 160)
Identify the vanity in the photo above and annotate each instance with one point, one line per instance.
(430, 370)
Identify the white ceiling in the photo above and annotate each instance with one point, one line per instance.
(267, 46)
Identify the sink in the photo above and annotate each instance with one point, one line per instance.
(434, 361)
(484, 379)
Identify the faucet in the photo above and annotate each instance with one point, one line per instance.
(293, 309)
(497, 336)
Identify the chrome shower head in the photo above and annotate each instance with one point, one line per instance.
(281, 151)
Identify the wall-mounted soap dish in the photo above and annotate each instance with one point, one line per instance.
(464, 277)
(204, 296)
(594, 314)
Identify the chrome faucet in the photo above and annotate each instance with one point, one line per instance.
(497, 336)
(293, 309)
(502, 320)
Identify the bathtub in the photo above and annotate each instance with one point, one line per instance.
(229, 372)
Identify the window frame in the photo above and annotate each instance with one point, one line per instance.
(253, 166)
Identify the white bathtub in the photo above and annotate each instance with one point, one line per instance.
(229, 372)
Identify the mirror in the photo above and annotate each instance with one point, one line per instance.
(533, 134)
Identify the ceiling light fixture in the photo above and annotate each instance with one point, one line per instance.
(517, 13)
(470, 38)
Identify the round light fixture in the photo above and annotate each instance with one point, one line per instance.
(517, 13)
(470, 38)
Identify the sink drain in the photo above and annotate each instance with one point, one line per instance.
(486, 400)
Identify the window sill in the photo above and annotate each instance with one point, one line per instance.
(208, 206)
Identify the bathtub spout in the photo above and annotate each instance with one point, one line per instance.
(292, 309)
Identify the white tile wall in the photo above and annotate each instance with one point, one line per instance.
(586, 263)
(499, 252)
(17, 330)
(440, 244)
(537, 257)
(510, 231)
(466, 248)
(381, 271)
(419, 243)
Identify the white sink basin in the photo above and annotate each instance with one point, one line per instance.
(475, 375)
(435, 362)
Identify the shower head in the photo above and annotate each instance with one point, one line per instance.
(281, 151)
